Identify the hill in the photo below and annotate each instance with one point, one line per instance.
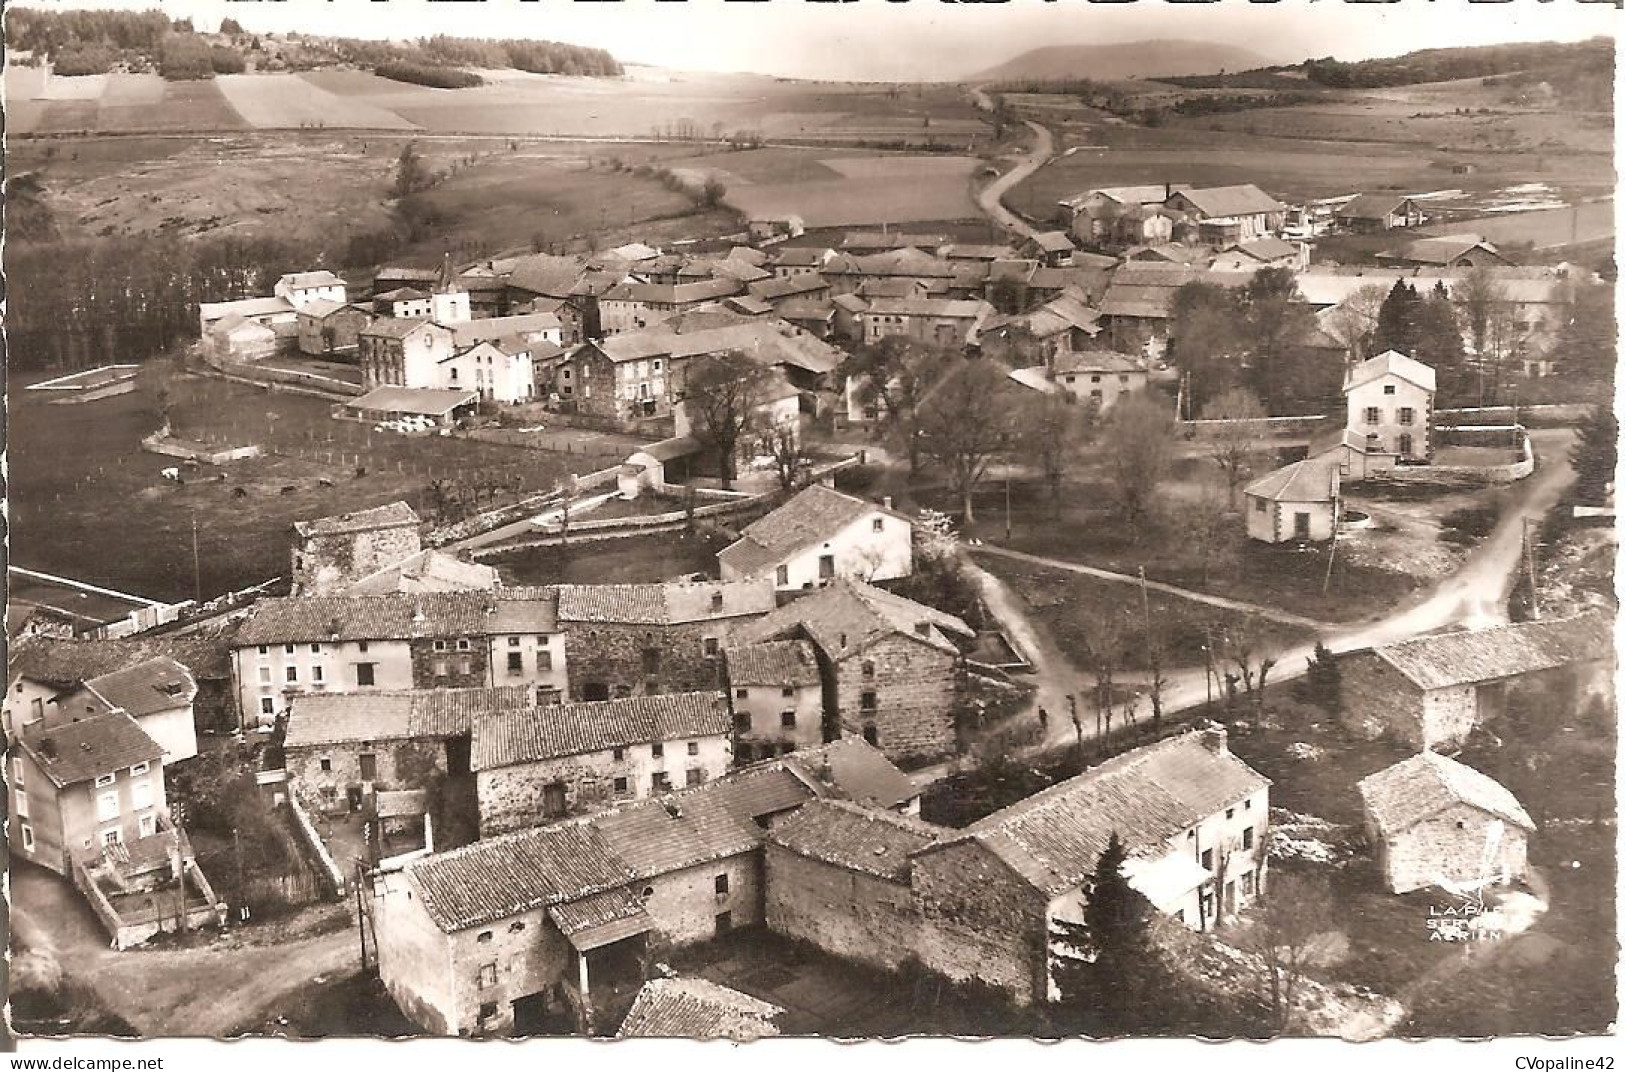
(1108, 63)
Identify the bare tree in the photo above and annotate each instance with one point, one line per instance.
(1244, 646)
(783, 443)
(894, 375)
(967, 420)
(1283, 934)
(1232, 442)
(1052, 429)
(1477, 296)
(720, 393)
(1353, 322)
(1103, 638)
(1209, 529)
(1138, 445)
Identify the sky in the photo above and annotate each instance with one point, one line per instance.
(912, 39)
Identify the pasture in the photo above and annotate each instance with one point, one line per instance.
(836, 191)
(87, 502)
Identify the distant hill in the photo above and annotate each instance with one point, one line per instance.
(1109, 63)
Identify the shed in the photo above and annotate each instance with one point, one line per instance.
(389, 402)
(646, 467)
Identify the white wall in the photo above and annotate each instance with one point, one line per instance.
(262, 675)
(1388, 427)
(859, 551)
(529, 647)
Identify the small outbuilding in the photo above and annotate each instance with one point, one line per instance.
(1436, 822)
(1296, 502)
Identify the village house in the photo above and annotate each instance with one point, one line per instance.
(276, 313)
(637, 306)
(774, 410)
(537, 765)
(299, 289)
(330, 328)
(697, 1008)
(1119, 215)
(1444, 251)
(348, 643)
(820, 534)
(891, 667)
(427, 571)
(528, 646)
(342, 749)
(235, 338)
(1390, 403)
(1296, 502)
(332, 553)
(764, 229)
(1099, 378)
(1267, 252)
(404, 302)
(1354, 456)
(1369, 213)
(1432, 691)
(1192, 816)
(795, 287)
(40, 669)
(157, 693)
(645, 639)
(945, 322)
(1433, 821)
(778, 698)
(1066, 324)
(865, 243)
(403, 353)
(1053, 249)
(799, 262)
(1228, 214)
(498, 371)
(1137, 308)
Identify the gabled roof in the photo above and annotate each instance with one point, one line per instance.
(973, 252)
(160, 684)
(768, 341)
(1340, 437)
(426, 401)
(1149, 194)
(812, 516)
(693, 1008)
(78, 751)
(1243, 200)
(556, 277)
(871, 841)
(309, 280)
(1418, 788)
(846, 616)
(541, 733)
(1266, 249)
(1053, 242)
(322, 308)
(776, 662)
(850, 768)
(674, 293)
(399, 327)
(320, 719)
(401, 294)
(1372, 206)
(1054, 838)
(389, 516)
(1096, 361)
(1472, 656)
(427, 571)
(66, 663)
(1391, 363)
(500, 327)
(664, 603)
(246, 307)
(801, 256)
(395, 616)
(952, 308)
(1442, 249)
(777, 288)
(1308, 481)
(233, 324)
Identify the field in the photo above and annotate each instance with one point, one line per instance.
(843, 191)
(87, 503)
(627, 560)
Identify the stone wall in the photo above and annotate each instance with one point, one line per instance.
(524, 954)
(1450, 845)
(1448, 716)
(978, 920)
(451, 668)
(915, 687)
(613, 658)
(852, 915)
(401, 765)
(323, 565)
(1378, 700)
(413, 955)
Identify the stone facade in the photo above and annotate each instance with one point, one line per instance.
(610, 661)
(330, 778)
(451, 663)
(853, 915)
(327, 564)
(760, 713)
(900, 694)
(1379, 701)
(1449, 845)
(980, 920)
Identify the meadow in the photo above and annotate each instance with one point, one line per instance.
(835, 191)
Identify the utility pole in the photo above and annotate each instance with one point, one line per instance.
(197, 568)
(1529, 563)
(1007, 505)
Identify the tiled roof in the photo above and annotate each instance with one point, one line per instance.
(767, 341)
(1391, 363)
(399, 327)
(1371, 206)
(1420, 787)
(402, 803)
(853, 769)
(1096, 361)
(1053, 241)
(451, 712)
(322, 308)
(317, 719)
(1054, 838)
(402, 294)
(1440, 250)
(160, 684)
(801, 256)
(697, 1009)
(528, 736)
(503, 327)
(774, 289)
(1310, 480)
(956, 308)
(777, 662)
(1243, 200)
(812, 516)
(1268, 248)
(305, 280)
(427, 571)
(246, 307)
(387, 516)
(1477, 655)
(74, 752)
(671, 603)
(65, 663)
(845, 616)
(396, 616)
(428, 402)
(870, 840)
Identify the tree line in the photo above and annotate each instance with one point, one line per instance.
(1446, 64)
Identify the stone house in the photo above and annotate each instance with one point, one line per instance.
(1444, 251)
(1354, 456)
(402, 352)
(332, 553)
(890, 667)
(1379, 212)
(635, 306)
(837, 875)
(697, 1008)
(1119, 215)
(41, 668)
(946, 322)
(1227, 214)
(235, 338)
(819, 534)
(778, 698)
(427, 571)
(341, 749)
(1390, 403)
(157, 693)
(80, 785)
(1099, 378)
(499, 936)
(1432, 691)
(300, 289)
(329, 644)
(498, 370)
(537, 765)
(273, 312)
(330, 329)
(405, 302)
(1296, 502)
(644, 639)
(1436, 822)
(1192, 816)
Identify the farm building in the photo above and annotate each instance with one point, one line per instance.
(778, 698)
(1066, 324)
(944, 322)
(1433, 691)
(1053, 249)
(775, 228)
(657, 466)
(698, 1009)
(427, 571)
(235, 338)
(1267, 252)
(443, 407)
(1226, 214)
(1379, 212)
(1390, 403)
(403, 353)
(1436, 822)
(1120, 215)
(276, 313)
(299, 289)
(404, 302)
(1444, 251)
(329, 328)
(820, 534)
(1355, 456)
(1296, 502)
(332, 553)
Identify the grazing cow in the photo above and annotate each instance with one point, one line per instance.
(239, 493)
(288, 489)
(172, 473)
(325, 482)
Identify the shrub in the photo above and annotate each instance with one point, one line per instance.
(90, 59)
(185, 57)
(423, 74)
(1469, 524)
(227, 60)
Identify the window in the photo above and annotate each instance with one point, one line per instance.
(659, 782)
(693, 748)
(265, 649)
(781, 576)
(104, 780)
(1406, 444)
(1373, 415)
(293, 675)
(17, 772)
(710, 647)
(147, 825)
(364, 675)
(725, 922)
(288, 648)
(741, 694)
(369, 766)
(516, 662)
(361, 646)
(315, 649)
(141, 795)
(28, 837)
(316, 674)
(516, 926)
(1246, 805)
(868, 668)
(1247, 884)
(326, 764)
(513, 642)
(267, 705)
(869, 701)
(22, 804)
(787, 719)
(787, 691)
(1207, 859)
(484, 936)
(107, 806)
(554, 799)
(463, 644)
(112, 836)
(1387, 388)
(721, 883)
(694, 776)
(617, 754)
(265, 675)
(1094, 379)
(544, 660)
(139, 769)
(871, 734)
(488, 978)
(440, 645)
(440, 667)
(1247, 838)
(878, 525)
(1230, 813)
(620, 785)
(1260, 506)
(716, 600)
(658, 749)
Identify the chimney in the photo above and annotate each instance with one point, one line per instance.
(886, 502)
(1167, 191)
(1214, 737)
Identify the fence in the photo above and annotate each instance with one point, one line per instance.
(1276, 426)
(1544, 415)
(1463, 476)
(313, 842)
(171, 447)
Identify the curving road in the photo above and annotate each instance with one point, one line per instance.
(991, 197)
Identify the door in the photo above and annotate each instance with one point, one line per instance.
(369, 767)
(1300, 526)
(826, 567)
(1405, 445)
(459, 750)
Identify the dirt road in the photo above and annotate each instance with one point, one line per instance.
(991, 197)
